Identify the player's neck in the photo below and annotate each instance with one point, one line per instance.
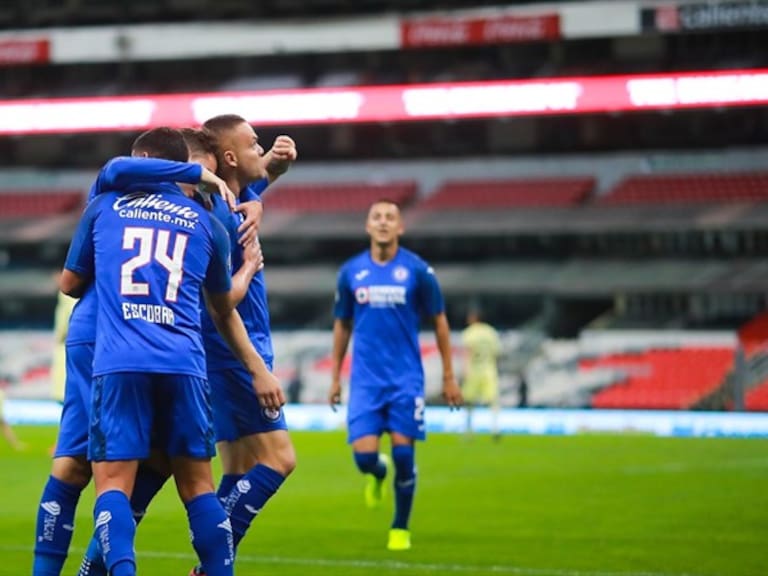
(234, 184)
(381, 254)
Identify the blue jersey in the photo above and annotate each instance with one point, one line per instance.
(117, 174)
(253, 190)
(387, 302)
(253, 309)
(151, 253)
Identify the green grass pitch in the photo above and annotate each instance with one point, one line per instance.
(590, 505)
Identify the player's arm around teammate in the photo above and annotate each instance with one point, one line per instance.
(127, 173)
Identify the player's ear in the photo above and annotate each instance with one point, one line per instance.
(229, 158)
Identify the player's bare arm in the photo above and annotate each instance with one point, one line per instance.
(252, 212)
(280, 157)
(72, 284)
(276, 163)
(342, 332)
(253, 261)
(451, 390)
(230, 326)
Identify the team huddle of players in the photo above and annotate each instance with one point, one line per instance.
(169, 354)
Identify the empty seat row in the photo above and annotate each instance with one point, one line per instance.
(529, 192)
(671, 379)
(754, 334)
(36, 203)
(510, 193)
(664, 189)
(345, 197)
(757, 398)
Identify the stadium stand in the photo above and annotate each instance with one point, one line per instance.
(342, 197)
(559, 224)
(528, 192)
(754, 334)
(757, 398)
(671, 379)
(37, 203)
(686, 188)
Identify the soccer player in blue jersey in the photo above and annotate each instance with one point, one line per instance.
(70, 470)
(253, 310)
(150, 255)
(153, 473)
(381, 296)
(253, 442)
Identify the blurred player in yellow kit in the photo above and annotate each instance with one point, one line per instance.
(481, 375)
(64, 306)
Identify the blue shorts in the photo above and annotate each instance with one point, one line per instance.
(73, 428)
(131, 411)
(373, 411)
(236, 409)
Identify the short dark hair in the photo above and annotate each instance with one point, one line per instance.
(223, 123)
(387, 201)
(199, 141)
(163, 142)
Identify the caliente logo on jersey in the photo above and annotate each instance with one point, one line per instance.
(143, 206)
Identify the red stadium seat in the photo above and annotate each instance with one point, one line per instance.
(344, 197)
(757, 398)
(38, 203)
(528, 192)
(754, 334)
(668, 379)
(685, 188)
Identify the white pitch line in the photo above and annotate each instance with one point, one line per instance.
(389, 564)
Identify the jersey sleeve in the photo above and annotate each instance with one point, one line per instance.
(80, 257)
(218, 277)
(254, 190)
(430, 296)
(124, 171)
(344, 305)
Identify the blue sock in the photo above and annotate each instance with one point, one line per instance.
(252, 492)
(211, 535)
(405, 484)
(369, 463)
(148, 484)
(55, 524)
(115, 531)
(228, 482)
(92, 563)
